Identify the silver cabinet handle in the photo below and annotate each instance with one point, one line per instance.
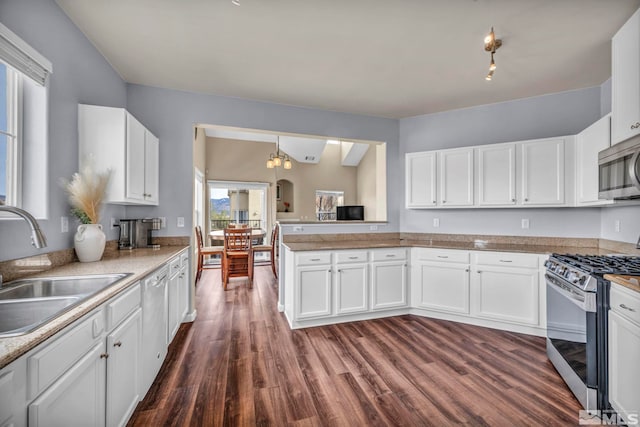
(329, 270)
(513, 200)
(506, 260)
(466, 270)
(390, 256)
(434, 202)
(442, 256)
(627, 308)
(314, 259)
(444, 201)
(339, 271)
(526, 200)
(117, 344)
(353, 257)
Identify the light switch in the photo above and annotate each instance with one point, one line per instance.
(180, 222)
(525, 223)
(436, 222)
(64, 224)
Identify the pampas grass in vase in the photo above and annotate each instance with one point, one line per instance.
(87, 190)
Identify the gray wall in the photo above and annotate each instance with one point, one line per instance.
(80, 75)
(565, 113)
(171, 115)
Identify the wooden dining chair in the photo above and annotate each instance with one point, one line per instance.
(237, 255)
(205, 251)
(272, 249)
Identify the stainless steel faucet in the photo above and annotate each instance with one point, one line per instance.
(38, 239)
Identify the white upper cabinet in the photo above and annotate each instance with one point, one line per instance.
(496, 175)
(455, 177)
(115, 140)
(420, 180)
(625, 97)
(543, 172)
(589, 142)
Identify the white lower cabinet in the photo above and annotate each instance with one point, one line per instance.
(124, 347)
(624, 348)
(93, 372)
(442, 286)
(352, 288)
(506, 294)
(77, 398)
(388, 285)
(314, 291)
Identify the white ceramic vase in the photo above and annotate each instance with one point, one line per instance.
(89, 242)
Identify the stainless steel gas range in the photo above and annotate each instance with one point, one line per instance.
(577, 305)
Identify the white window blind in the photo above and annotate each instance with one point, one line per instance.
(22, 57)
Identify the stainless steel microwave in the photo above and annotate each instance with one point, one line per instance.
(619, 171)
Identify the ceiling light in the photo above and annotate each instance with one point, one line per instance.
(236, 2)
(491, 44)
(333, 141)
(276, 159)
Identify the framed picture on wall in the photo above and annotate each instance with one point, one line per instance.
(278, 192)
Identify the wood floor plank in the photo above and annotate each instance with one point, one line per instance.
(239, 364)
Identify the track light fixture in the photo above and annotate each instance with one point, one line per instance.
(491, 44)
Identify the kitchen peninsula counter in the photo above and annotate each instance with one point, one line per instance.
(139, 262)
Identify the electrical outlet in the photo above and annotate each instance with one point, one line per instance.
(373, 228)
(525, 223)
(436, 222)
(113, 223)
(180, 223)
(163, 222)
(617, 225)
(297, 228)
(64, 224)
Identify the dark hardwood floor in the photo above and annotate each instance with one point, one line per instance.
(239, 364)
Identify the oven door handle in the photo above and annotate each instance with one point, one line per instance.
(581, 299)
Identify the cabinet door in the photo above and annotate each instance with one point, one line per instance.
(543, 172)
(624, 369)
(496, 175)
(77, 398)
(506, 294)
(173, 296)
(313, 291)
(625, 96)
(388, 285)
(151, 168)
(135, 159)
(183, 294)
(124, 346)
(444, 287)
(455, 177)
(420, 182)
(351, 288)
(589, 142)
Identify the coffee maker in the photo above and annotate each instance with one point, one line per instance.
(137, 233)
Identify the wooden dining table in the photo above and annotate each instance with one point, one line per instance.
(218, 235)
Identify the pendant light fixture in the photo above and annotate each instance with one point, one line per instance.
(276, 159)
(491, 44)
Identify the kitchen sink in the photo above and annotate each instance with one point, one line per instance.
(26, 304)
(59, 286)
(21, 316)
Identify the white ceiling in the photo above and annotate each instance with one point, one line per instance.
(386, 58)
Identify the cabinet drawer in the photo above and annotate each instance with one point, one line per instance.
(313, 258)
(388, 254)
(625, 302)
(45, 366)
(174, 266)
(184, 259)
(443, 255)
(507, 259)
(120, 308)
(344, 257)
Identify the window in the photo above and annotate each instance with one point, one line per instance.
(23, 124)
(10, 141)
(326, 203)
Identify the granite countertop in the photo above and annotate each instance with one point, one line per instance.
(631, 282)
(139, 262)
(476, 246)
